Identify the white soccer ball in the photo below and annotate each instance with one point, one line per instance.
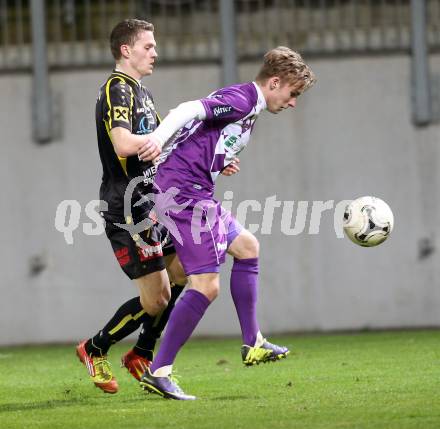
(368, 221)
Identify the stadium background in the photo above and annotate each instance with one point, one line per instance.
(369, 127)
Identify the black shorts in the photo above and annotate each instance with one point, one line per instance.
(140, 257)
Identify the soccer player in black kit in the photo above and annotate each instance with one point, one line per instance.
(125, 114)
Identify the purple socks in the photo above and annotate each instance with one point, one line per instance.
(183, 320)
(192, 306)
(244, 291)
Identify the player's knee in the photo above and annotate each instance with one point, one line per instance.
(254, 247)
(159, 306)
(154, 306)
(245, 246)
(209, 289)
(166, 296)
(162, 302)
(251, 247)
(212, 291)
(147, 306)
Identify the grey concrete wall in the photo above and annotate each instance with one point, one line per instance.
(349, 136)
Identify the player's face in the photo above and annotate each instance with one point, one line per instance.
(143, 53)
(282, 96)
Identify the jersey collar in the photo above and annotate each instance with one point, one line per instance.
(261, 100)
(125, 75)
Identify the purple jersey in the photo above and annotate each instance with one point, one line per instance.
(192, 161)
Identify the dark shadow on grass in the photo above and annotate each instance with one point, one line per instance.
(59, 403)
(44, 405)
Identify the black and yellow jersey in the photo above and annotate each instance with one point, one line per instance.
(123, 102)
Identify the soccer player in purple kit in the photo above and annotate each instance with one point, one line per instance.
(197, 140)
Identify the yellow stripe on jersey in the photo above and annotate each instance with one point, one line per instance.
(123, 161)
(107, 93)
(123, 77)
(108, 123)
(125, 320)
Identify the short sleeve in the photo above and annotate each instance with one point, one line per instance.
(119, 105)
(228, 104)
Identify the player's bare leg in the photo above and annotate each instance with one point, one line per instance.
(154, 294)
(138, 359)
(154, 291)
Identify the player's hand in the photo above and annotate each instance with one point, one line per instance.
(150, 150)
(231, 168)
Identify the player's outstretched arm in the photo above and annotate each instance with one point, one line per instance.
(174, 121)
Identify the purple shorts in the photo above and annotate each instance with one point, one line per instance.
(201, 233)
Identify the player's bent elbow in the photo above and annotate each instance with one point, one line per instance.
(121, 150)
(122, 145)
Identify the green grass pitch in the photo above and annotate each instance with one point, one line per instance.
(369, 380)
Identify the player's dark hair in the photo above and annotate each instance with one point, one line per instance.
(126, 33)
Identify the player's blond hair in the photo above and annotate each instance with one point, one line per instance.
(288, 65)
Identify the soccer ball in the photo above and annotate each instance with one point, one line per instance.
(368, 221)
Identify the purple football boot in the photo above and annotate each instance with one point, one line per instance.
(164, 386)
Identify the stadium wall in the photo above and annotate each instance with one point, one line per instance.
(350, 136)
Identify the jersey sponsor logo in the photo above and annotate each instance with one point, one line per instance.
(221, 110)
(120, 113)
(150, 251)
(146, 124)
(147, 106)
(230, 142)
(222, 247)
(233, 143)
(149, 175)
(122, 256)
(148, 103)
